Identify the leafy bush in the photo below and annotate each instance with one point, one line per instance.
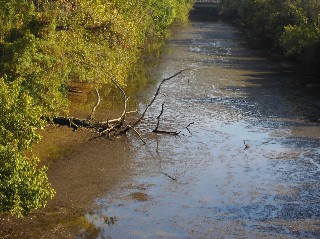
(291, 26)
(23, 187)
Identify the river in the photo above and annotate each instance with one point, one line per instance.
(246, 163)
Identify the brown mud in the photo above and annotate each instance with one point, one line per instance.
(79, 172)
(80, 168)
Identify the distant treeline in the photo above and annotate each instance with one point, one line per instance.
(44, 45)
(289, 26)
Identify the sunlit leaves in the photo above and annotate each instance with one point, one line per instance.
(297, 39)
(19, 117)
(105, 37)
(45, 45)
(290, 25)
(23, 186)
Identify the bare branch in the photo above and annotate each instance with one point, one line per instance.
(96, 105)
(117, 126)
(166, 132)
(156, 130)
(144, 142)
(158, 118)
(189, 125)
(73, 125)
(156, 94)
(174, 179)
(125, 99)
(132, 112)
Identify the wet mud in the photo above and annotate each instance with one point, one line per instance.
(247, 165)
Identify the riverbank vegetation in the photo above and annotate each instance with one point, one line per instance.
(289, 26)
(45, 45)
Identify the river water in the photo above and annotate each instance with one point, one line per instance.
(246, 163)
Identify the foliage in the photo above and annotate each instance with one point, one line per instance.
(46, 44)
(297, 39)
(291, 26)
(23, 187)
(19, 117)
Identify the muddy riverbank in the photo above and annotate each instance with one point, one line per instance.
(80, 168)
(247, 165)
(78, 174)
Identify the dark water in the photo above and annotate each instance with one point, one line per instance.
(248, 165)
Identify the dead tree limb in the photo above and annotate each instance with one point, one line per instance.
(96, 105)
(166, 132)
(174, 179)
(158, 118)
(134, 130)
(155, 96)
(125, 99)
(111, 127)
(156, 130)
(189, 125)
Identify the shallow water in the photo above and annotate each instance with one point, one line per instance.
(247, 165)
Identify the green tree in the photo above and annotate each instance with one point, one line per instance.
(23, 186)
(291, 26)
(45, 45)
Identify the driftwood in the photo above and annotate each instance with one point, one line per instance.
(112, 127)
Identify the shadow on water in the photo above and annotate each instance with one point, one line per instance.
(204, 14)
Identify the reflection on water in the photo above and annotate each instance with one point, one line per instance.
(248, 167)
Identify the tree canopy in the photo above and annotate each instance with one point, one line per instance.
(45, 45)
(292, 26)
